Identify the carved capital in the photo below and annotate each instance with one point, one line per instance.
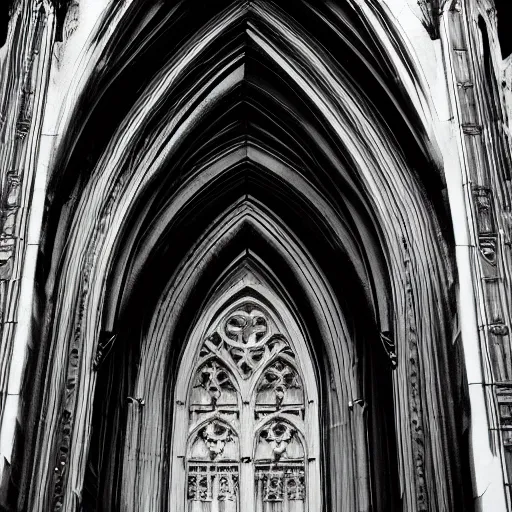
(472, 129)
(22, 128)
(499, 329)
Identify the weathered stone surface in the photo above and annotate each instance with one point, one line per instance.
(345, 164)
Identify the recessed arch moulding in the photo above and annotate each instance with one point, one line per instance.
(244, 159)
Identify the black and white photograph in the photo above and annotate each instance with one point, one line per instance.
(255, 255)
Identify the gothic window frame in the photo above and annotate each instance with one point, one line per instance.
(285, 326)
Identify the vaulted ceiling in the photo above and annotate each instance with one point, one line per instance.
(244, 98)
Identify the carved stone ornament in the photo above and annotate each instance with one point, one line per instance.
(484, 210)
(246, 370)
(456, 6)
(281, 483)
(273, 488)
(214, 379)
(278, 434)
(245, 338)
(488, 249)
(499, 329)
(216, 434)
(207, 482)
(246, 327)
(7, 246)
(279, 378)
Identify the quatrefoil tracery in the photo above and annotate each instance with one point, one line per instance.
(214, 378)
(279, 378)
(245, 337)
(246, 328)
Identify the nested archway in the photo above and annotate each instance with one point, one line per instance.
(257, 134)
(247, 390)
(228, 262)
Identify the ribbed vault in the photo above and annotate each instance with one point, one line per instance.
(211, 145)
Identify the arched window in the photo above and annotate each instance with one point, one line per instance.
(247, 430)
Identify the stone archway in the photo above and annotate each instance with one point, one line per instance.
(247, 137)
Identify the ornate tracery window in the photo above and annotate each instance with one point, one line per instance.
(251, 423)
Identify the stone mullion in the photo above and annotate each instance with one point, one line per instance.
(477, 182)
(487, 256)
(12, 240)
(498, 326)
(247, 424)
(16, 167)
(22, 111)
(495, 328)
(11, 160)
(498, 160)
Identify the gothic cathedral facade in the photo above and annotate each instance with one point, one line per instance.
(255, 256)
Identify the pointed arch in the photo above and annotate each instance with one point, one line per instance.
(152, 486)
(269, 338)
(244, 137)
(229, 235)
